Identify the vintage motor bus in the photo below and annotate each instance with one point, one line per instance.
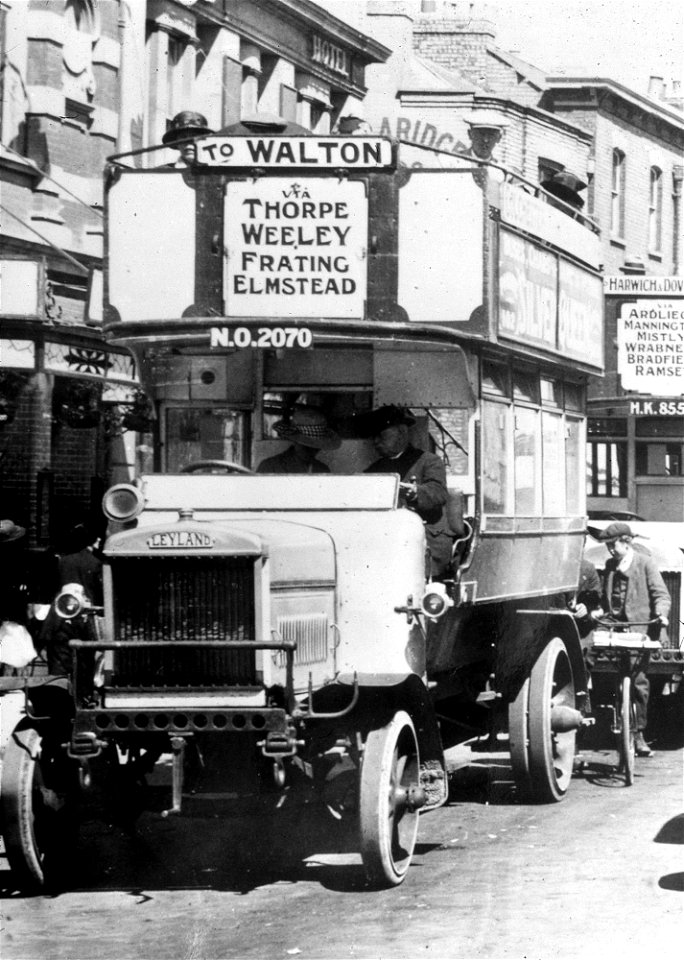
(273, 623)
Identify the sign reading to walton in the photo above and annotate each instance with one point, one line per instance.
(295, 248)
(650, 337)
(313, 152)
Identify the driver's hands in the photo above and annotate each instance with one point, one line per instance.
(580, 611)
(409, 490)
(663, 620)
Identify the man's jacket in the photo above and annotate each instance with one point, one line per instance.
(646, 597)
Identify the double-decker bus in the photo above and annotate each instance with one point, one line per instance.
(272, 622)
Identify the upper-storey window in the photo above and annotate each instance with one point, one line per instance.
(617, 208)
(655, 210)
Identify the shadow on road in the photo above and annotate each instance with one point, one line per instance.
(213, 845)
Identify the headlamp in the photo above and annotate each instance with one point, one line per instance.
(436, 601)
(122, 502)
(70, 601)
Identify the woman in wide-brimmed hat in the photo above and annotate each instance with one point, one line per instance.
(308, 431)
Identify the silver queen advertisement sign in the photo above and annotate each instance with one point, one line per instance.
(296, 247)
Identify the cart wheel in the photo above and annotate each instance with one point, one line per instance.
(551, 743)
(626, 736)
(519, 739)
(36, 819)
(388, 817)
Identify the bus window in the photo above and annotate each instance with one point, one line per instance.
(448, 429)
(575, 459)
(527, 462)
(553, 460)
(205, 433)
(495, 457)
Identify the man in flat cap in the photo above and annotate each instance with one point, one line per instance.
(634, 592)
(422, 487)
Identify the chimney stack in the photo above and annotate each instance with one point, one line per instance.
(656, 88)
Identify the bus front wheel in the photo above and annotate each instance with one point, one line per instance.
(388, 814)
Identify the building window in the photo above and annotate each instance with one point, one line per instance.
(606, 469)
(655, 210)
(659, 459)
(617, 208)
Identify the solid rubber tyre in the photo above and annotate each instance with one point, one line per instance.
(518, 739)
(36, 819)
(551, 752)
(388, 824)
(627, 734)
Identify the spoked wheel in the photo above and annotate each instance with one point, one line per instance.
(552, 724)
(36, 818)
(519, 739)
(627, 734)
(390, 798)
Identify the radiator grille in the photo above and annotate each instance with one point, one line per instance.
(183, 598)
(673, 582)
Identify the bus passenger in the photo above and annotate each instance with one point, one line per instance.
(422, 487)
(308, 431)
(185, 124)
(634, 591)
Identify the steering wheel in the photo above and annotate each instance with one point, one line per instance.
(215, 466)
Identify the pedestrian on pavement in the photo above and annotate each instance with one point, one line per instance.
(422, 475)
(309, 432)
(634, 592)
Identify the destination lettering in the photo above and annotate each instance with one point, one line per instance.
(651, 346)
(180, 540)
(295, 248)
(319, 152)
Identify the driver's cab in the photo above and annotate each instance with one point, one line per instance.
(217, 412)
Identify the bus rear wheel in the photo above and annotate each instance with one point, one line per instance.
(389, 801)
(543, 727)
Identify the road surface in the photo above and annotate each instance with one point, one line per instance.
(596, 876)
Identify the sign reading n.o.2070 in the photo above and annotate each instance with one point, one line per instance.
(295, 247)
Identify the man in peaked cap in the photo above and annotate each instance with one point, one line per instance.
(186, 124)
(422, 476)
(308, 431)
(634, 591)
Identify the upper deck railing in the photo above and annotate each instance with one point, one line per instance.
(338, 235)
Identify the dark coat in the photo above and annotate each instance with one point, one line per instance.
(289, 462)
(429, 472)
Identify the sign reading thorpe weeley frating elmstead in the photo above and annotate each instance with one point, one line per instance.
(650, 336)
(295, 248)
(281, 152)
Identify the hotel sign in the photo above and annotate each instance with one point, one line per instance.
(330, 55)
